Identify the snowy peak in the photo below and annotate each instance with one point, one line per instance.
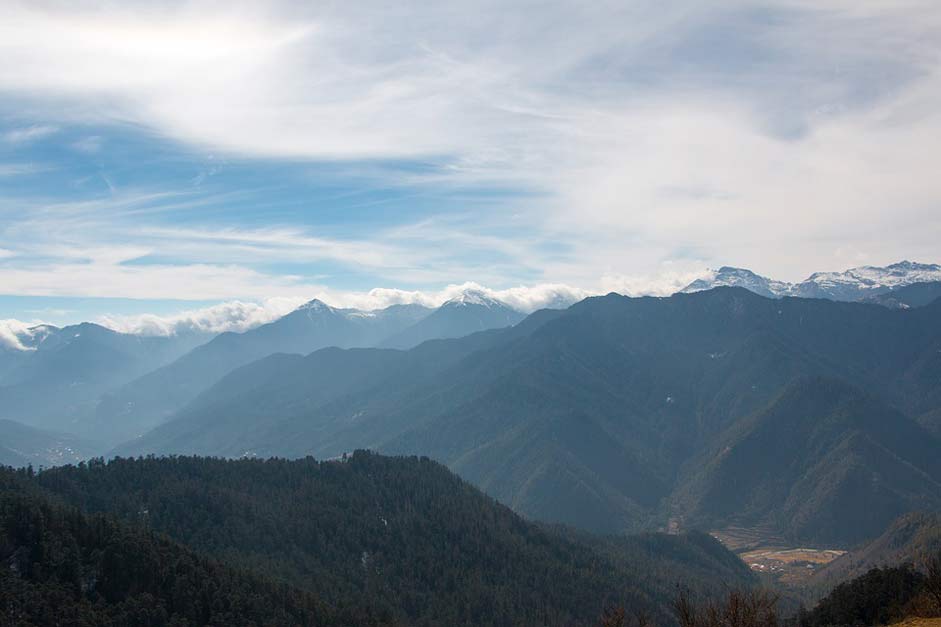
(850, 285)
(470, 312)
(315, 306)
(875, 278)
(727, 276)
(475, 297)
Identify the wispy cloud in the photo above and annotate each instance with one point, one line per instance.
(29, 134)
(650, 138)
(235, 316)
(20, 169)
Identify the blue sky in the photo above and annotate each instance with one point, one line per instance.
(164, 157)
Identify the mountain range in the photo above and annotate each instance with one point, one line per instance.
(712, 408)
(108, 387)
(709, 408)
(55, 379)
(145, 402)
(865, 282)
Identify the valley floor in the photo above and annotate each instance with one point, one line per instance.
(767, 554)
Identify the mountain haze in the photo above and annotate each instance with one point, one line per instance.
(145, 402)
(60, 375)
(604, 415)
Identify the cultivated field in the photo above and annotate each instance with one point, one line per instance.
(765, 552)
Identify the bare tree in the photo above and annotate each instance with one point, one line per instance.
(753, 608)
(618, 617)
(933, 580)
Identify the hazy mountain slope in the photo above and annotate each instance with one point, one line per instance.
(28, 445)
(397, 535)
(826, 462)
(586, 416)
(65, 568)
(57, 382)
(907, 296)
(147, 401)
(909, 539)
(469, 313)
(9, 457)
(237, 416)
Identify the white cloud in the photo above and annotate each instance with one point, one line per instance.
(663, 284)
(89, 145)
(782, 135)
(240, 316)
(29, 134)
(235, 316)
(14, 332)
(523, 298)
(156, 281)
(19, 169)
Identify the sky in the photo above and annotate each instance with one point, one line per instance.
(226, 161)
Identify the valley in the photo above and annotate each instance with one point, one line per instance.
(769, 555)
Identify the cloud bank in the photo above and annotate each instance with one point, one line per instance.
(13, 333)
(240, 316)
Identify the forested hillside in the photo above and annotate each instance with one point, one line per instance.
(910, 539)
(400, 537)
(881, 596)
(62, 567)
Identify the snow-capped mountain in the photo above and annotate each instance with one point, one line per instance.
(467, 313)
(850, 285)
(475, 297)
(857, 283)
(739, 277)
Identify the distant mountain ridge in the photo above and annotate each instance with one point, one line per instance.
(110, 386)
(55, 380)
(850, 285)
(146, 402)
(619, 412)
(467, 313)
(908, 296)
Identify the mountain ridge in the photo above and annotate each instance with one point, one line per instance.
(863, 282)
(604, 405)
